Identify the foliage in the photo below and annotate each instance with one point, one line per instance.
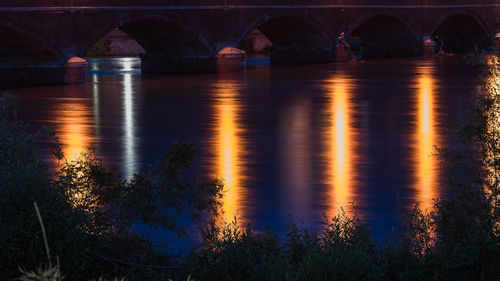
(486, 133)
(42, 274)
(344, 251)
(23, 180)
(160, 196)
(87, 210)
(100, 49)
(466, 221)
(406, 253)
(230, 252)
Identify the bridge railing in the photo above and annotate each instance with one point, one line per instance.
(114, 3)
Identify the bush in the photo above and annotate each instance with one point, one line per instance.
(230, 252)
(345, 252)
(87, 210)
(23, 180)
(466, 220)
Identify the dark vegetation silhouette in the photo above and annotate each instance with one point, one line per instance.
(87, 213)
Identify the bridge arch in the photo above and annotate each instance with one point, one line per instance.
(292, 23)
(461, 31)
(20, 44)
(296, 37)
(157, 34)
(383, 34)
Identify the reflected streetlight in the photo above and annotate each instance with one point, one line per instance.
(129, 128)
(228, 144)
(425, 140)
(341, 143)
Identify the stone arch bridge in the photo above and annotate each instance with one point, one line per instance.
(38, 37)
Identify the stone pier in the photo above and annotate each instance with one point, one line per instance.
(23, 74)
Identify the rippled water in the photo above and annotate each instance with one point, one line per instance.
(298, 141)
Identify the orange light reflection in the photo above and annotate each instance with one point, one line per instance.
(341, 140)
(74, 124)
(426, 139)
(229, 150)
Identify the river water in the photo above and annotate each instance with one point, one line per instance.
(297, 141)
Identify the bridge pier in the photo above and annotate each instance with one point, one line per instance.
(429, 47)
(343, 53)
(296, 56)
(17, 75)
(22, 74)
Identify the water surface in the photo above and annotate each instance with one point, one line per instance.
(298, 141)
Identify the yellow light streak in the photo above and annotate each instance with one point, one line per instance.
(342, 147)
(426, 139)
(74, 124)
(229, 150)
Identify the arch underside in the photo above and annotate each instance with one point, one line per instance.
(384, 36)
(165, 39)
(170, 48)
(289, 32)
(295, 41)
(461, 33)
(19, 48)
(25, 61)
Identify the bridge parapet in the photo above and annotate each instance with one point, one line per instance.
(235, 3)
